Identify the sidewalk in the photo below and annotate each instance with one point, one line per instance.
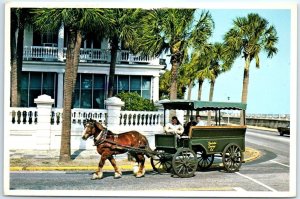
(42, 160)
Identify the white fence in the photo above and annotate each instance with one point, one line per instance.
(27, 132)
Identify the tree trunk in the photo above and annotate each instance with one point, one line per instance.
(211, 95)
(190, 86)
(17, 62)
(190, 91)
(200, 82)
(76, 57)
(173, 83)
(245, 87)
(112, 67)
(13, 61)
(65, 149)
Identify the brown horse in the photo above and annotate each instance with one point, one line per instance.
(109, 144)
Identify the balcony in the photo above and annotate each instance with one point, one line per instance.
(52, 53)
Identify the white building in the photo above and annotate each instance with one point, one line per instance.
(43, 70)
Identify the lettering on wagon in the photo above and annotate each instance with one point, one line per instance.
(211, 145)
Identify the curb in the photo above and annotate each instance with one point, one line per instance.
(255, 154)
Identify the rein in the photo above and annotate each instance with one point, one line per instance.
(103, 139)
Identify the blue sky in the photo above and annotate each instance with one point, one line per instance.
(269, 86)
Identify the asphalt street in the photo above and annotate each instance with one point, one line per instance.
(269, 173)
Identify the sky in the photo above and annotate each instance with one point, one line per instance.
(269, 86)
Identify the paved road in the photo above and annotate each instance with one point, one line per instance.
(270, 173)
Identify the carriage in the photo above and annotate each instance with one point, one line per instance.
(180, 156)
(197, 150)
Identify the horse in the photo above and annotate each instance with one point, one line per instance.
(109, 144)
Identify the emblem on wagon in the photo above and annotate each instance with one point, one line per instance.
(211, 145)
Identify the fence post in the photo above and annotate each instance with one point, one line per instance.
(113, 106)
(43, 129)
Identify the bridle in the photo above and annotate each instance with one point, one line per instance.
(100, 137)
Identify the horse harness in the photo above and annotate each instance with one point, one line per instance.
(103, 138)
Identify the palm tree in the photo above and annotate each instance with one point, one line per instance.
(173, 30)
(121, 29)
(216, 66)
(19, 18)
(248, 37)
(164, 85)
(76, 22)
(215, 69)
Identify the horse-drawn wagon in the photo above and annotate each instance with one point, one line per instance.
(181, 156)
(203, 143)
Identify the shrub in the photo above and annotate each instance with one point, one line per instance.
(134, 102)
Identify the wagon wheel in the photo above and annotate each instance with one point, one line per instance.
(204, 160)
(232, 158)
(161, 162)
(184, 163)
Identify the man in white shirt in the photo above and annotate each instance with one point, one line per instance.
(199, 121)
(174, 127)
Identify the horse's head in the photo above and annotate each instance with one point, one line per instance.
(91, 128)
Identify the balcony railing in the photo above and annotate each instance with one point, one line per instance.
(45, 53)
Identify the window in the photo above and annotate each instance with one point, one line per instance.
(49, 39)
(135, 84)
(146, 87)
(123, 83)
(89, 91)
(34, 84)
(99, 89)
(139, 84)
(86, 91)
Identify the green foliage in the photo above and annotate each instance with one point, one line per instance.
(134, 102)
(249, 36)
(164, 85)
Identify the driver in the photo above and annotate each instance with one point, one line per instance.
(174, 127)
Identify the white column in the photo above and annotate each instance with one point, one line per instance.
(43, 129)
(113, 106)
(155, 88)
(60, 90)
(60, 44)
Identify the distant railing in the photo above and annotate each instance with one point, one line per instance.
(140, 118)
(269, 116)
(46, 53)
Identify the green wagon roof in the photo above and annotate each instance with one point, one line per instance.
(201, 105)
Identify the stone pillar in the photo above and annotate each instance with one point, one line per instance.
(43, 128)
(60, 90)
(60, 44)
(113, 106)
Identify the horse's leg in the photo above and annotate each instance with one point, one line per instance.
(99, 173)
(118, 173)
(141, 161)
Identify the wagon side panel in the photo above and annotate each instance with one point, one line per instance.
(215, 138)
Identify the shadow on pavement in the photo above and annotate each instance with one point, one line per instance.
(76, 153)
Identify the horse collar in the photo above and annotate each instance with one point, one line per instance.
(102, 137)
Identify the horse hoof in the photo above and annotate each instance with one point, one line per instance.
(117, 175)
(140, 175)
(97, 177)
